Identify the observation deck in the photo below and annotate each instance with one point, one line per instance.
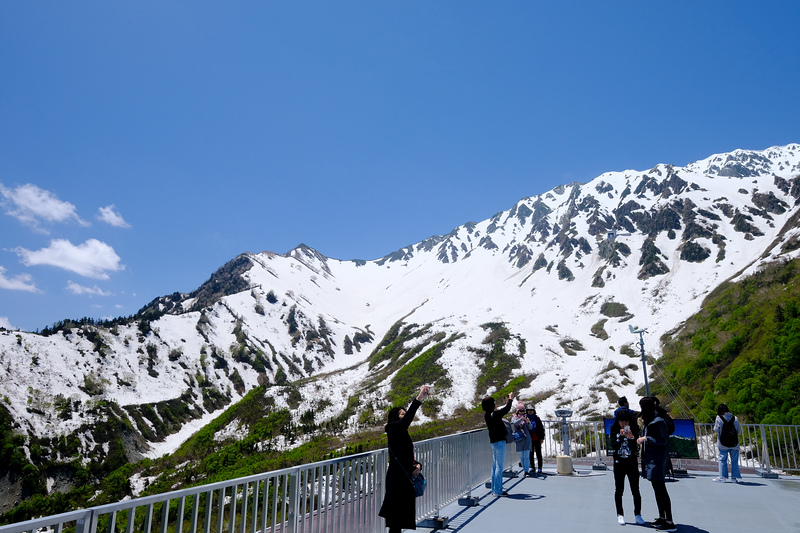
(584, 501)
(343, 495)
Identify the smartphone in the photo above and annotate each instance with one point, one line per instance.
(431, 390)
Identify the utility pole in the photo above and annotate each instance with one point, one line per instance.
(644, 361)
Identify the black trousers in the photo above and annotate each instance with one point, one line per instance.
(537, 447)
(627, 468)
(662, 500)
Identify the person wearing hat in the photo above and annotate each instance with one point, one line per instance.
(523, 424)
(537, 437)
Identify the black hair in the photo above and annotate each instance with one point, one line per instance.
(623, 402)
(394, 414)
(722, 409)
(648, 406)
(487, 404)
(624, 415)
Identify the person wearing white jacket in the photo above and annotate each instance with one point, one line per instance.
(727, 443)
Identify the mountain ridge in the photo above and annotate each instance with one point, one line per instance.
(539, 296)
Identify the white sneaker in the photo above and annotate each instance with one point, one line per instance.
(640, 520)
(719, 480)
(621, 519)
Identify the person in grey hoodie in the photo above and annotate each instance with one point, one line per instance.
(730, 446)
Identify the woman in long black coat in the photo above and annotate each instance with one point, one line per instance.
(654, 461)
(399, 507)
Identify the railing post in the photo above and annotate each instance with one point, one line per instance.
(765, 451)
(598, 464)
(469, 500)
(87, 523)
(381, 465)
(294, 501)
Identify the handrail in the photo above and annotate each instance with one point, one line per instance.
(345, 494)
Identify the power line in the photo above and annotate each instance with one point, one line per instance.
(664, 375)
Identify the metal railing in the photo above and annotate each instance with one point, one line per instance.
(344, 495)
(767, 447)
(336, 496)
(761, 446)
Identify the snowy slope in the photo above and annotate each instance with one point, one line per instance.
(544, 268)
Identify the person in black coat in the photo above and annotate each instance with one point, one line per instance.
(537, 437)
(654, 461)
(399, 506)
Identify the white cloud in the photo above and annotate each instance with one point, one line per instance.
(30, 205)
(4, 323)
(92, 259)
(110, 215)
(21, 282)
(74, 288)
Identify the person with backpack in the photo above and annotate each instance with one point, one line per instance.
(626, 452)
(497, 436)
(537, 437)
(522, 427)
(623, 406)
(654, 461)
(727, 428)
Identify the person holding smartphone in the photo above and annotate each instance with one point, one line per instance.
(497, 436)
(399, 503)
(626, 450)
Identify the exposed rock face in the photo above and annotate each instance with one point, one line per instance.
(554, 279)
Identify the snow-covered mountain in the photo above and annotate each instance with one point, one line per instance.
(557, 280)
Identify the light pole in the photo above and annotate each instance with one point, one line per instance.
(644, 362)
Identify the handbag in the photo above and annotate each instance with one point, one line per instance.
(418, 482)
(419, 485)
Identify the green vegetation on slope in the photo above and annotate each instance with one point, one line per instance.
(742, 348)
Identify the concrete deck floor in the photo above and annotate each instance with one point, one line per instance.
(585, 502)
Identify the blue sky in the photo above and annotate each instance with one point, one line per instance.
(144, 144)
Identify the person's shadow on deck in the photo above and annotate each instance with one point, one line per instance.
(468, 514)
(686, 528)
(750, 484)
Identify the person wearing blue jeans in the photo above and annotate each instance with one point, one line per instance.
(497, 436)
(727, 428)
(498, 460)
(522, 423)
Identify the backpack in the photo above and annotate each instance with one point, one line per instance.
(667, 420)
(509, 431)
(728, 436)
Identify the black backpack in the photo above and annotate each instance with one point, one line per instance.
(660, 411)
(728, 436)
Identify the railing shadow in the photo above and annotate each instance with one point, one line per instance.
(462, 519)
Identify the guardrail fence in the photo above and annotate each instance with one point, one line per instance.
(344, 495)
